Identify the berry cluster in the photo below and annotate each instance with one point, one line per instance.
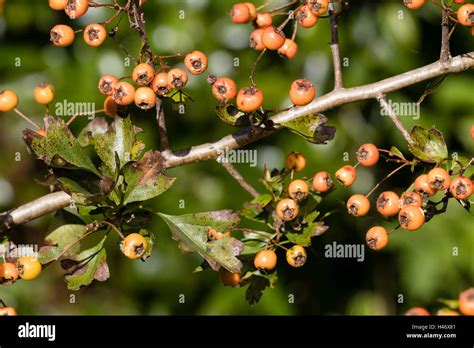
(26, 268)
(464, 305)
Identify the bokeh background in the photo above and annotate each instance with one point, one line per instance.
(378, 38)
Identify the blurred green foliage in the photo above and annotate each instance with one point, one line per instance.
(378, 39)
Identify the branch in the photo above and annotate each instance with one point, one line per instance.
(160, 118)
(445, 50)
(388, 109)
(328, 101)
(239, 178)
(138, 22)
(34, 209)
(334, 45)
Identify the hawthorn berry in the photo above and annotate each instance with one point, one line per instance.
(302, 92)
(265, 260)
(419, 311)
(255, 40)
(240, 13)
(44, 93)
(358, 205)
(196, 62)
(214, 235)
(305, 17)
(296, 256)
(264, 20)
(134, 246)
(160, 84)
(295, 161)
(42, 132)
(224, 89)
(410, 198)
(461, 187)
(414, 4)
(446, 312)
(438, 179)
(252, 10)
(57, 5)
(388, 203)
(145, 98)
(8, 100)
(28, 267)
(94, 34)
(273, 38)
(368, 155)
(322, 182)
(466, 302)
(228, 278)
(8, 273)
(298, 190)
(249, 99)
(76, 8)
(177, 78)
(318, 7)
(123, 93)
(465, 15)
(7, 311)
(376, 238)
(110, 106)
(411, 218)
(143, 74)
(287, 209)
(346, 176)
(288, 50)
(107, 83)
(62, 35)
(422, 186)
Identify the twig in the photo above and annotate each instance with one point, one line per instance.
(160, 118)
(255, 66)
(26, 118)
(334, 45)
(137, 18)
(388, 176)
(388, 109)
(239, 178)
(445, 35)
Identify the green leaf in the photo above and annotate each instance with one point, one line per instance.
(150, 238)
(253, 210)
(60, 148)
(396, 151)
(47, 253)
(252, 247)
(178, 97)
(231, 116)
(66, 235)
(304, 237)
(311, 127)
(191, 231)
(87, 266)
(429, 145)
(258, 282)
(145, 179)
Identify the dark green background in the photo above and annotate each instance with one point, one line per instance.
(418, 265)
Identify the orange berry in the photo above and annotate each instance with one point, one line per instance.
(160, 84)
(305, 17)
(466, 302)
(256, 40)
(76, 8)
(419, 311)
(145, 98)
(228, 278)
(134, 246)
(42, 132)
(57, 5)
(358, 205)
(214, 235)
(196, 62)
(296, 256)
(423, 187)
(249, 99)
(288, 50)
(8, 273)
(224, 89)
(346, 175)
(376, 238)
(368, 155)
(95, 34)
(252, 10)
(273, 38)
(123, 93)
(302, 92)
(388, 203)
(411, 218)
(62, 35)
(7, 311)
(465, 15)
(414, 4)
(410, 198)
(110, 106)
(265, 260)
(28, 267)
(319, 7)
(295, 161)
(107, 83)
(322, 182)
(461, 187)
(44, 93)
(287, 209)
(438, 179)
(8, 100)
(240, 13)
(298, 190)
(143, 74)
(446, 312)
(177, 78)
(264, 20)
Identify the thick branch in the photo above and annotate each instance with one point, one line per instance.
(321, 104)
(239, 178)
(334, 45)
(445, 51)
(34, 209)
(389, 111)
